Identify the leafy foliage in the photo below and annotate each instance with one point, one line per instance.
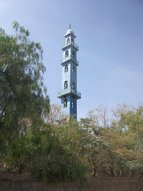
(21, 84)
(23, 98)
(22, 93)
(39, 138)
(27, 142)
(115, 149)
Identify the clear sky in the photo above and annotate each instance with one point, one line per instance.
(110, 38)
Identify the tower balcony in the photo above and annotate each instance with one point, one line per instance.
(69, 91)
(69, 44)
(69, 58)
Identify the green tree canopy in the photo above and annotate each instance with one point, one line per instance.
(22, 94)
(23, 97)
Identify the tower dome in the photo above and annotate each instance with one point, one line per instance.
(70, 32)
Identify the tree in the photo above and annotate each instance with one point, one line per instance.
(115, 148)
(70, 136)
(99, 117)
(27, 141)
(56, 116)
(128, 124)
(93, 145)
(23, 97)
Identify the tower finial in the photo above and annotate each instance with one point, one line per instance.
(70, 26)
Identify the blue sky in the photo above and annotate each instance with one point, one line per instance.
(110, 38)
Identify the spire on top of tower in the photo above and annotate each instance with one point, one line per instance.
(70, 31)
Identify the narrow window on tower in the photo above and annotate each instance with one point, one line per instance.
(73, 69)
(68, 41)
(72, 41)
(73, 86)
(65, 102)
(65, 84)
(66, 53)
(66, 68)
(72, 104)
(73, 54)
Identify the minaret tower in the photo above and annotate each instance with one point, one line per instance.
(69, 93)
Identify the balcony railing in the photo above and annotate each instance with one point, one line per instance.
(71, 43)
(69, 58)
(68, 91)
